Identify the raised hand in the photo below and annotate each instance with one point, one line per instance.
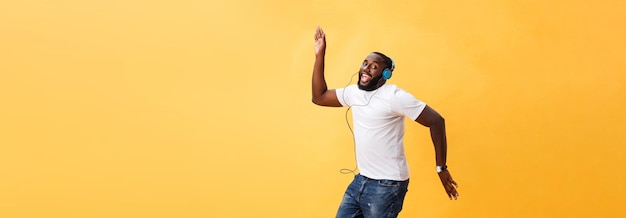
(320, 42)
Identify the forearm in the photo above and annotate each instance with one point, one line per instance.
(438, 136)
(318, 81)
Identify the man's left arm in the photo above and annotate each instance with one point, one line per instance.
(433, 120)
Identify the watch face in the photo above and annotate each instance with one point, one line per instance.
(441, 168)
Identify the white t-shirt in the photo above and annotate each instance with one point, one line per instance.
(378, 118)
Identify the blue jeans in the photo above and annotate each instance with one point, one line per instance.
(370, 198)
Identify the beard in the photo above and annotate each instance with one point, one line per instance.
(371, 86)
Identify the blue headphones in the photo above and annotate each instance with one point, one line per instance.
(387, 72)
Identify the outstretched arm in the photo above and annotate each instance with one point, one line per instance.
(431, 119)
(321, 95)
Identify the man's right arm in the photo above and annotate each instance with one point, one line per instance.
(321, 95)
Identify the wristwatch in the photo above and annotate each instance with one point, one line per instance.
(441, 168)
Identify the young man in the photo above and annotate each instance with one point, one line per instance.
(378, 111)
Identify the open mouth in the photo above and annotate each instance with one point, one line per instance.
(365, 78)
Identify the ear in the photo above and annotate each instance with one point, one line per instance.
(380, 82)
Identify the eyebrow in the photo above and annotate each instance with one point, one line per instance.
(364, 60)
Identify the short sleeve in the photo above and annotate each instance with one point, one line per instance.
(344, 94)
(403, 103)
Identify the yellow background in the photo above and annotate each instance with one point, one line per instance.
(136, 108)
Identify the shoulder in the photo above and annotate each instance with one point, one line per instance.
(400, 95)
(404, 103)
(344, 94)
(348, 89)
(395, 90)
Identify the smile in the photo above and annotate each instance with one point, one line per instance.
(365, 78)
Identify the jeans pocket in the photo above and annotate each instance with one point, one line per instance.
(389, 183)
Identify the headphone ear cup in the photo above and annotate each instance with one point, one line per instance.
(387, 74)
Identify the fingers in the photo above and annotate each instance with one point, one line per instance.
(449, 185)
(319, 33)
(453, 194)
(451, 189)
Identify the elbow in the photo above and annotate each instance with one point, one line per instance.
(316, 101)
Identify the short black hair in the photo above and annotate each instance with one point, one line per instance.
(388, 61)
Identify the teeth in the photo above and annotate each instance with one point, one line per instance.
(365, 78)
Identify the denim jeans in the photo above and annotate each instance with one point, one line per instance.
(370, 198)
